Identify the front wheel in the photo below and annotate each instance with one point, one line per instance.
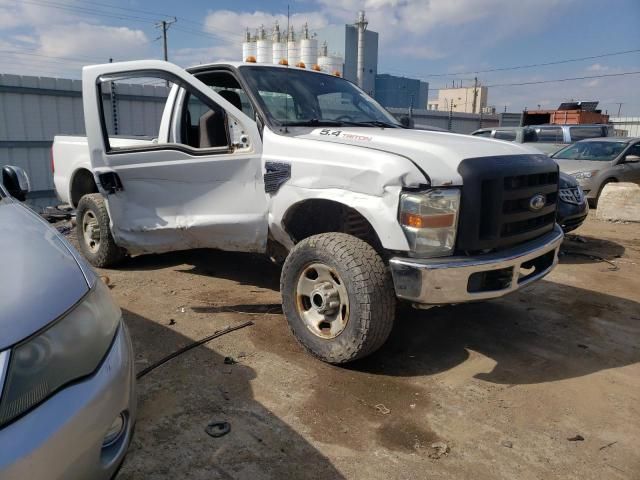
(94, 233)
(338, 297)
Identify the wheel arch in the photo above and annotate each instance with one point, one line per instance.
(313, 216)
(82, 183)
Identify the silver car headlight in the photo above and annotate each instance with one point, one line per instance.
(71, 348)
(430, 221)
(584, 175)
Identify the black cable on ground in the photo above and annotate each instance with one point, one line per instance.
(186, 348)
(591, 256)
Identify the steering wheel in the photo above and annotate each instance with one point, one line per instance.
(346, 118)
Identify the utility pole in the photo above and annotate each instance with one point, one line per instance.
(410, 109)
(164, 25)
(450, 120)
(475, 94)
(619, 107)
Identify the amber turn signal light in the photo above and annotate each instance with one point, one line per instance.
(427, 221)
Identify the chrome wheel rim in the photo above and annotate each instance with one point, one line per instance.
(91, 231)
(322, 300)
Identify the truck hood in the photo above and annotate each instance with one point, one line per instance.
(40, 278)
(437, 154)
(574, 166)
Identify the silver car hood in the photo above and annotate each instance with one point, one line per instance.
(40, 278)
(573, 166)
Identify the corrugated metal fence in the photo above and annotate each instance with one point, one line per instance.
(626, 126)
(460, 122)
(35, 109)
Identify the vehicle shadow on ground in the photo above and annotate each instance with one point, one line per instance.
(246, 269)
(547, 332)
(177, 400)
(579, 249)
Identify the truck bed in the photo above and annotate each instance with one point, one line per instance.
(70, 154)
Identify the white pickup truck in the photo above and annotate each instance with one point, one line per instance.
(306, 168)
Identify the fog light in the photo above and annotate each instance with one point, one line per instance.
(114, 431)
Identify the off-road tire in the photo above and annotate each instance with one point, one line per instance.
(370, 292)
(108, 253)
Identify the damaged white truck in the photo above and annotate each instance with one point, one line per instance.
(306, 168)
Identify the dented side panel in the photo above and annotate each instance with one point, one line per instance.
(367, 180)
(177, 202)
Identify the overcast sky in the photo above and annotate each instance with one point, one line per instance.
(440, 41)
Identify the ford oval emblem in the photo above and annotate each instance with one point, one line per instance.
(537, 202)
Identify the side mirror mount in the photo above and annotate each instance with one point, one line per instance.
(632, 159)
(16, 182)
(405, 121)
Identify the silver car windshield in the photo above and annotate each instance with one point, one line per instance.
(596, 151)
(295, 97)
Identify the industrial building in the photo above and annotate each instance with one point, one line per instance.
(462, 100)
(401, 92)
(337, 49)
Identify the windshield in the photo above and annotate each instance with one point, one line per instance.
(597, 151)
(293, 97)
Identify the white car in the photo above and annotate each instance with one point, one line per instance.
(306, 168)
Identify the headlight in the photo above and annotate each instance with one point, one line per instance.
(584, 175)
(68, 350)
(430, 220)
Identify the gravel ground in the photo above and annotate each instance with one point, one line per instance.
(542, 384)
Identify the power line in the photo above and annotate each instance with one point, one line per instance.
(520, 67)
(69, 59)
(161, 14)
(587, 77)
(76, 9)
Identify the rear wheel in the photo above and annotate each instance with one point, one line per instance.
(338, 297)
(94, 233)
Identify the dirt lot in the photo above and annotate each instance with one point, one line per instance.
(504, 384)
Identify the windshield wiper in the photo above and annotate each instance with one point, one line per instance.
(377, 123)
(314, 122)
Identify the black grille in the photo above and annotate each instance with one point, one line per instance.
(497, 192)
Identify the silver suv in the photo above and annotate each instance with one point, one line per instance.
(547, 138)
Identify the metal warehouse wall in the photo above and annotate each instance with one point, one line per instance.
(35, 109)
(629, 125)
(460, 122)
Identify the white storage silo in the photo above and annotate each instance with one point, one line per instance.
(279, 47)
(308, 49)
(279, 52)
(331, 64)
(265, 51)
(248, 47)
(264, 47)
(293, 52)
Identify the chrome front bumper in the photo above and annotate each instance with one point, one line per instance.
(449, 280)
